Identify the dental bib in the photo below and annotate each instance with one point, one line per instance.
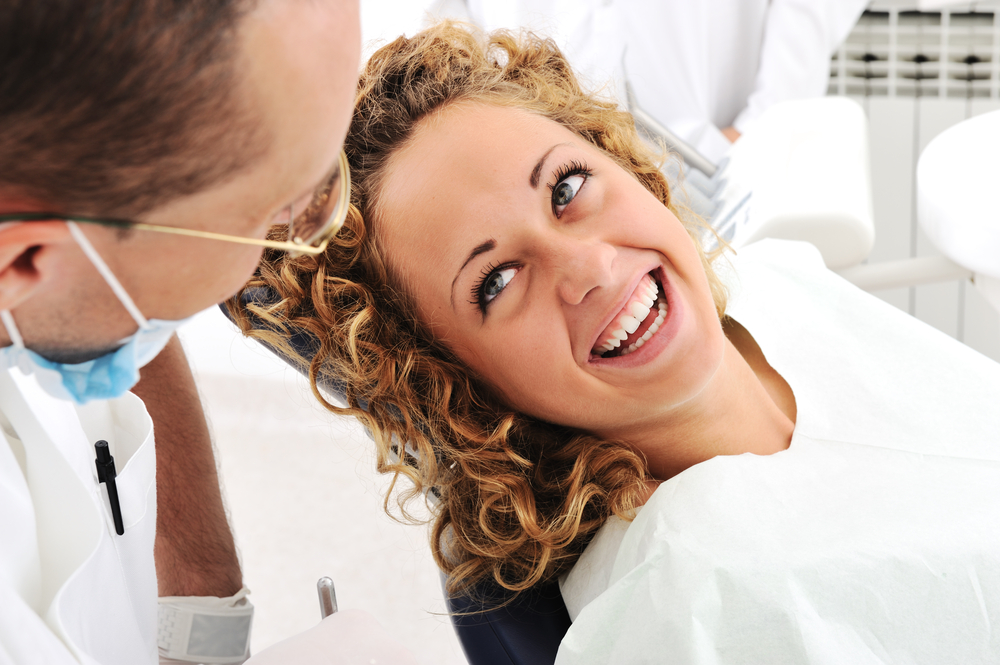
(872, 539)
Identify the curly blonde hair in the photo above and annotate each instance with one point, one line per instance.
(518, 499)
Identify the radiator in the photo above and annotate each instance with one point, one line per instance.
(916, 73)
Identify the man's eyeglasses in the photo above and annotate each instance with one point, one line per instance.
(308, 233)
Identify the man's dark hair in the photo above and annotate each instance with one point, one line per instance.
(112, 107)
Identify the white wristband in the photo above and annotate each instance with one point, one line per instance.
(205, 629)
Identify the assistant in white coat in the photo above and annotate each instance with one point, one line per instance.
(699, 67)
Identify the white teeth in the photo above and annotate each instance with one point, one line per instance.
(637, 313)
(630, 323)
(657, 322)
(639, 310)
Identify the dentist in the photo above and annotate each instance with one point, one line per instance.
(145, 150)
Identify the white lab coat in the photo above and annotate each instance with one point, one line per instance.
(71, 589)
(697, 66)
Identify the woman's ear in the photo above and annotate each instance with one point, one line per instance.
(20, 245)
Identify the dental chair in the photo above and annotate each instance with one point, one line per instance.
(525, 632)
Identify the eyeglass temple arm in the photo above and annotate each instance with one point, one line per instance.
(173, 230)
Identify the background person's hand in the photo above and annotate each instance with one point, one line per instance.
(350, 637)
(731, 133)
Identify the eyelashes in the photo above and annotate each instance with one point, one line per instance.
(486, 281)
(569, 180)
(477, 288)
(570, 168)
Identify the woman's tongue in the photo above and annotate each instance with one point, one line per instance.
(632, 322)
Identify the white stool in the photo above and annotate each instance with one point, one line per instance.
(958, 185)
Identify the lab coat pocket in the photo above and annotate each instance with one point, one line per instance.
(121, 572)
(128, 429)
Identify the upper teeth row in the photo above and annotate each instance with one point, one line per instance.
(653, 327)
(637, 312)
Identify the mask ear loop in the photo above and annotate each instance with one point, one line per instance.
(108, 276)
(12, 331)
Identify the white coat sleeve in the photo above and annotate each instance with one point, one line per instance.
(799, 38)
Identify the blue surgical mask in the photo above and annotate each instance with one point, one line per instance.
(107, 376)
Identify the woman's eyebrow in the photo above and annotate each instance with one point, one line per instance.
(481, 248)
(536, 172)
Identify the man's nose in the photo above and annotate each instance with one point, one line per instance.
(581, 266)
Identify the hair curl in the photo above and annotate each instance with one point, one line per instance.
(519, 499)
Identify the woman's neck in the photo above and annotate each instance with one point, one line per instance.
(747, 408)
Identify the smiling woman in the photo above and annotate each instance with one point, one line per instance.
(505, 221)
(516, 295)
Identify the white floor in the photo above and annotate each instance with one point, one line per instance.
(305, 502)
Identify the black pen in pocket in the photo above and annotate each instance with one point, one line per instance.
(106, 475)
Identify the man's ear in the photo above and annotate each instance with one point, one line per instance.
(20, 245)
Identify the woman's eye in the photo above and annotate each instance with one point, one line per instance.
(496, 282)
(566, 191)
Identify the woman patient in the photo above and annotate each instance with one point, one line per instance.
(803, 471)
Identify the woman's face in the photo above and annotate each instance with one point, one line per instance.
(529, 252)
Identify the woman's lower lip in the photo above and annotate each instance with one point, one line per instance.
(658, 342)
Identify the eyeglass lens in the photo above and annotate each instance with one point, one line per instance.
(312, 223)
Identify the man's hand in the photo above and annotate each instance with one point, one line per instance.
(194, 550)
(731, 133)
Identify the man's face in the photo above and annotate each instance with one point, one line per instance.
(297, 69)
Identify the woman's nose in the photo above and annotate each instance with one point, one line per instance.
(582, 265)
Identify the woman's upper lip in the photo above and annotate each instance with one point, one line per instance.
(619, 303)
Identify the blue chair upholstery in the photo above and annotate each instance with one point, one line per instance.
(526, 631)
